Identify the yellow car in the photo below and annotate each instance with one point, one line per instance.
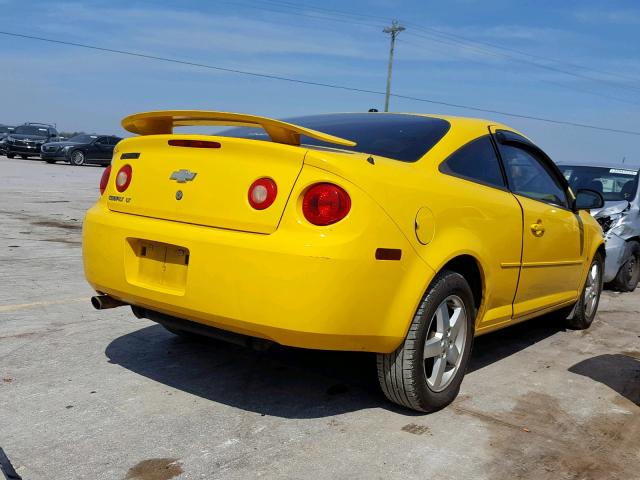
(400, 234)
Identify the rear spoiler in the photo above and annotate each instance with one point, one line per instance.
(163, 122)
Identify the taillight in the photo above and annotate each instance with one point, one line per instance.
(262, 193)
(104, 179)
(123, 179)
(325, 203)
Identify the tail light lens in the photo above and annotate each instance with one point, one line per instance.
(104, 180)
(325, 203)
(123, 178)
(262, 193)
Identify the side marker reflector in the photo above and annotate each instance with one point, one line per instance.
(194, 143)
(388, 254)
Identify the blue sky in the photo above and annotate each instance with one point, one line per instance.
(81, 89)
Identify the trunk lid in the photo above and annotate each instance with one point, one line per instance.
(213, 182)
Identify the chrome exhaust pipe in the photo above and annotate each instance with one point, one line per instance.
(102, 302)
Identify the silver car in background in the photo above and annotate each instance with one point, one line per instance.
(619, 218)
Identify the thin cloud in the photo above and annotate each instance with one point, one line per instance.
(613, 17)
(225, 35)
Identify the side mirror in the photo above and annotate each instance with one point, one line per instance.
(587, 199)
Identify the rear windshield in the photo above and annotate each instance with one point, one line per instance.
(401, 137)
(613, 183)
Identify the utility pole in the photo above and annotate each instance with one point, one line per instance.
(393, 30)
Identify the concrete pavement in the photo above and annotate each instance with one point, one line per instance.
(88, 394)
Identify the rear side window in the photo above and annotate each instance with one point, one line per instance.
(476, 161)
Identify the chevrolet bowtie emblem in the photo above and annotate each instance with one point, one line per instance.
(183, 176)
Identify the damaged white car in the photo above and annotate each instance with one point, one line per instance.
(619, 218)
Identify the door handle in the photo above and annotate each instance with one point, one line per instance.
(537, 229)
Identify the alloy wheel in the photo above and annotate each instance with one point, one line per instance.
(77, 157)
(592, 289)
(445, 342)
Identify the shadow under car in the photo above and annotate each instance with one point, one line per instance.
(283, 381)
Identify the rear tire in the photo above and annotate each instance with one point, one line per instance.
(25, 156)
(585, 309)
(425, 372)
(50, 161)
(11, 155)
(627, 278)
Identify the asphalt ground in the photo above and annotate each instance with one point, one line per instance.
(88, 394)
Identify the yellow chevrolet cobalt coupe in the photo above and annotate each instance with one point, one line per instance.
(405, 235)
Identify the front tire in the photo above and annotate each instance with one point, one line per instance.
(77, 158)
(629, 274)
(585, 309)
(425, 372)
(25, 157)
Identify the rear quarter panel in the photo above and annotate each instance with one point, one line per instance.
(468, 219)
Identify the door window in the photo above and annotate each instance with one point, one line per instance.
(475, 161)
(528, 176)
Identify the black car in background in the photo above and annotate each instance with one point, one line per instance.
(5, 130)
(26, 140)
(81, 149)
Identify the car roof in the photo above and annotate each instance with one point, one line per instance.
(37, 124)
(453, 119)
(469, 122)
(458, 123)
(620, 166)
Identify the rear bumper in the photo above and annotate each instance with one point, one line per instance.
(318, 292)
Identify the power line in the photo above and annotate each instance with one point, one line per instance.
(551, 82)
(521, 52)
(317, 84)
(344, 17)
(471, 43)
(357, 16)
(286, 10)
